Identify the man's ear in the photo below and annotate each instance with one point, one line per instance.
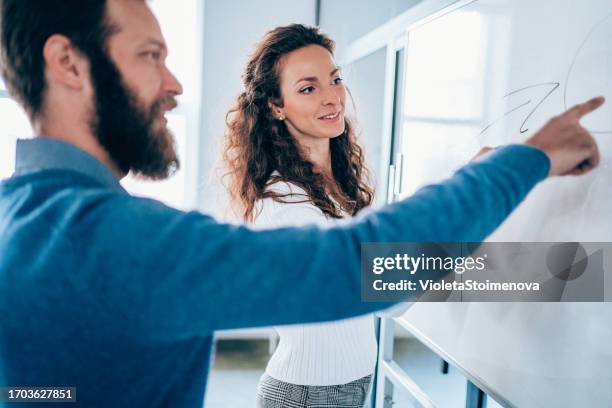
(64, 63)
(276, 108)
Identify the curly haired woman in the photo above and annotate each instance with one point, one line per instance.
(293, 159)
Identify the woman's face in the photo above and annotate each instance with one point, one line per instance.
(313, 95)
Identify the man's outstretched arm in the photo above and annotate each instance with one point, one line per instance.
(191, 275)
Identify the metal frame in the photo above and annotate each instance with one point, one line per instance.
(475, 397)
(478, 382)
(390, 167)
(390, 374)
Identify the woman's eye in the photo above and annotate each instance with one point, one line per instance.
(338, 81)
(307, 90)
(153, 55)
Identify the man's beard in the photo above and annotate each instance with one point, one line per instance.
(131, 134)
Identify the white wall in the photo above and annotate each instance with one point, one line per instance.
(347, 20)
(231, 29)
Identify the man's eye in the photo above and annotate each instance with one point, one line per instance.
(307, 90)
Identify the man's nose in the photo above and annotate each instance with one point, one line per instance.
(171, 84)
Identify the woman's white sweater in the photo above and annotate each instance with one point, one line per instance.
(330, 353)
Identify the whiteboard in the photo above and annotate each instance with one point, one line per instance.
(488, 73)
(492, 72)
(524, 355)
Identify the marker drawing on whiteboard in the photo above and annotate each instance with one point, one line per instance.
(553, 87)
(591, 38)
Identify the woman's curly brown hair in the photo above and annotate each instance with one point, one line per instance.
(257, 144)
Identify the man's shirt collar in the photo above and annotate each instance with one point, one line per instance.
(43, 153)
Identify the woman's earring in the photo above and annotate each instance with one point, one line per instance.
(281, 118)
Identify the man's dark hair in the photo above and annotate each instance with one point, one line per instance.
(25, 26)
(123, 126)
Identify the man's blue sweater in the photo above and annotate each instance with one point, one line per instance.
(119, 296)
